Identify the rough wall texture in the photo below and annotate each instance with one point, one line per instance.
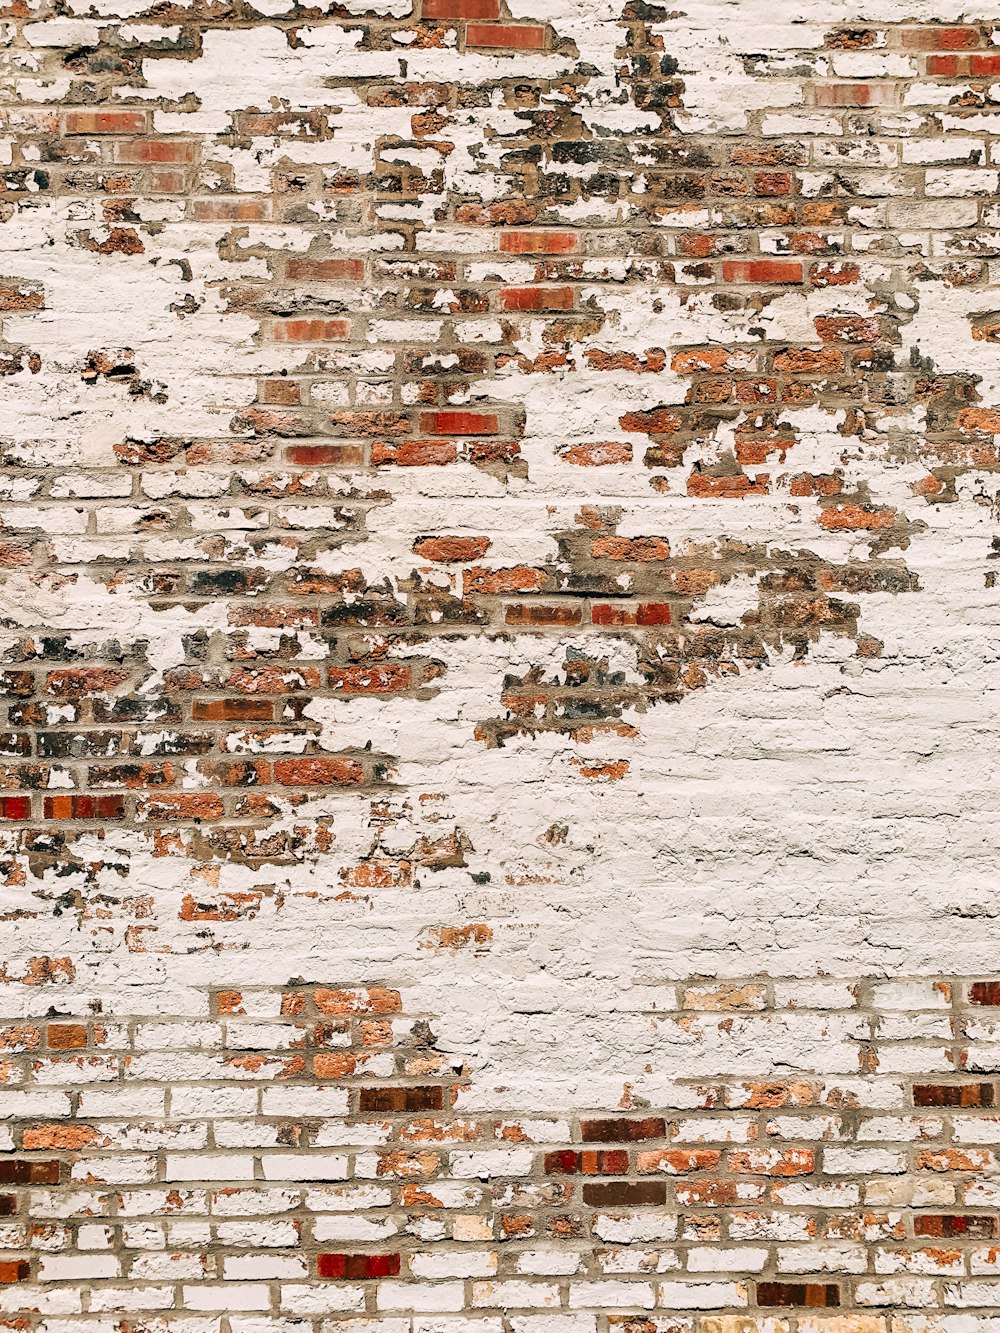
(498, 636)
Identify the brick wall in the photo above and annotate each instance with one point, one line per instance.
(499, 615)
(314, 1156)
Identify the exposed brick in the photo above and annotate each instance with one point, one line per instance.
(232, 710)
(519, 37)
(310, 330)
(953, 1094)
(461, 9)
(320, 455)
(939, 39)
(181, 151)
(459, 423)
(401, 1099)
(230, 210)
(451, 550)
(357, 1267)
(762, 270)
(84, 807)
(121, 121)
(622, 1130)
(31, 1172)
(537, 298)
(499, 609)
(66, 1036)
(798, 1293)
(317, 772)
(539, 242)
(979, 1227)
(623, 1194)
(325, 270)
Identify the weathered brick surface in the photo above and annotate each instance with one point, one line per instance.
(498, 512)
(316, 1157)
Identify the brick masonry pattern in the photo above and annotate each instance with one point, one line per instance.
(498, 537)
(310, 1157)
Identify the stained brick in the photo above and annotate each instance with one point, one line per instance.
(798, 1293)
(357, 1267)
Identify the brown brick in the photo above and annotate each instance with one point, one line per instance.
(953, 1094)
(798, 1293)
(623, 1130)
(402, 1099)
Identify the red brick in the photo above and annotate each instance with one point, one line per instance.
(309, 330)
(562, 1162)
(430, 1098)
(374, 1000)
(357, 1267)
(84, 807)
(520, 37)
(459, 423)
(762, 270)
(541, 615)
(633, 550)
(798, 1293)
(536, 298)
(230, 210)
(232, 710)
(449, 550)
(167, 182)
(606, 454)
(325, 455)
(120, 121)
(646, 613)
(387, 678)
(706, 487)
(155, 151)
(66, 1036)
(74, 682)
(622, 1130)
(772, 183)
(846, 94)
(625, 1194)
(538, 242)
(676, 1161)
(182, 807)
(975, 1226)
(318, 772)
(26, 1172)
(940, 39)
(489, 582)
(414, 453)
(461, 9)
(848, 328)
